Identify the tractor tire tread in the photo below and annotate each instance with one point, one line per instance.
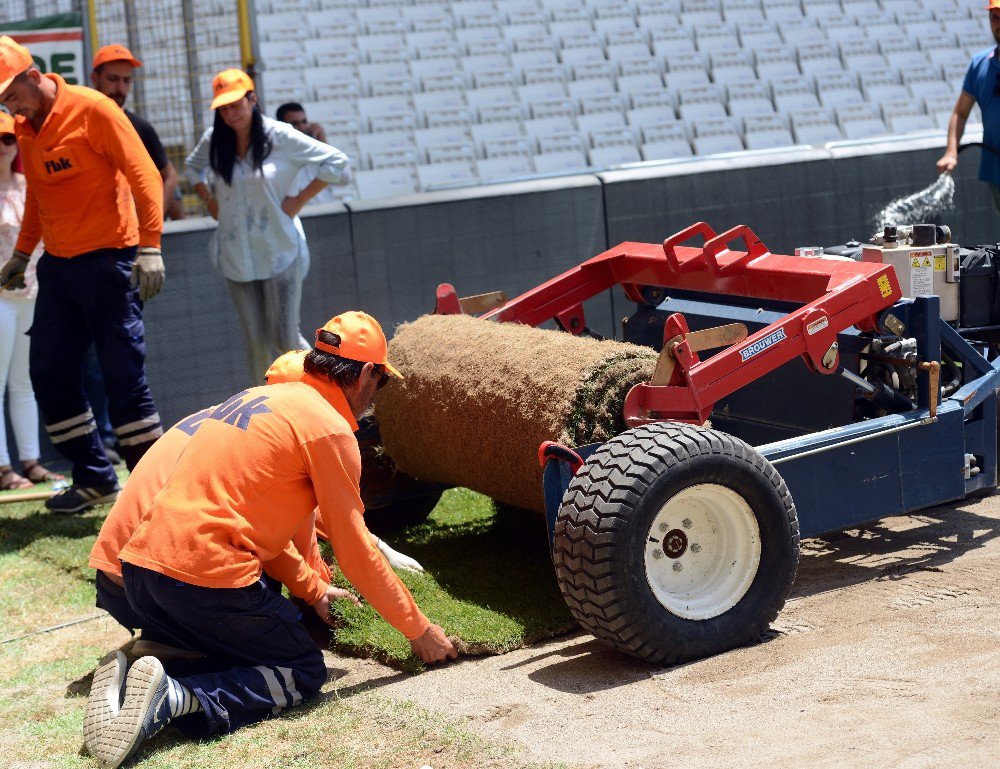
(594, 521)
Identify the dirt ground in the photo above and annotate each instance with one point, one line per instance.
(887, 654)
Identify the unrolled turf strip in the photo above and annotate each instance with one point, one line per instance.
(479, 398)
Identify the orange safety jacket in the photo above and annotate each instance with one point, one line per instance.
(91, 183)
(255, 468)
(148, 479)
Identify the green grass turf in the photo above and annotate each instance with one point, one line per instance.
(488, 581)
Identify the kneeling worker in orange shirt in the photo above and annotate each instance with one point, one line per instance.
(247, 482)
(144, 483)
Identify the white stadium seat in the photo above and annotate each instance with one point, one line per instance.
(667, 150)
(616, 155)
(816, 133)
(659, 133)
(864, 129)
(901, 124)
(769, 139)
(506, 167)
(718, 143)
(559, 162)
(531, 85)
(385, 183)
(640, 118)
(444, 175)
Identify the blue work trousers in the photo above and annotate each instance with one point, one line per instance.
(272, 661)
(112, 599)
(82, 301)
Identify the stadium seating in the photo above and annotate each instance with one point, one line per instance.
(430, 94)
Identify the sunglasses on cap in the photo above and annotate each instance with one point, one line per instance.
(8, 139)
(383, 376)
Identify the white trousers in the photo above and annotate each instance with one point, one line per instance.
(269, 313)
(15, 320)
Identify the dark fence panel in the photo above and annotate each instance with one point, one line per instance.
(388, 258)
(194, 345)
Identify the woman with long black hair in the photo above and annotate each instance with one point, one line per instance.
(252, 162)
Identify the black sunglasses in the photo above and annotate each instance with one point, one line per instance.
(8, 139)
(383, 376)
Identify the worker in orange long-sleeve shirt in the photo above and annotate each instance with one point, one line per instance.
(252, 473)
(147, 480)
(96, 199)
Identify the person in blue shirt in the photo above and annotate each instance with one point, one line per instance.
(982, 87)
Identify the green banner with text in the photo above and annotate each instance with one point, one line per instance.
(55, 42)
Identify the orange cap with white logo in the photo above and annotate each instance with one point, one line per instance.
(115, 52)
(6, 123)
(230, 85)
(361, 339)
(14, 59)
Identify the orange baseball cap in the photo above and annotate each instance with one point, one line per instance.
(114, 52)
(993, 4)
(6, 123)
(230, 85)
(14, 59)
(287, 368)
(361, 339)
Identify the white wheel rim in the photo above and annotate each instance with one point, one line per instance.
(702, 551)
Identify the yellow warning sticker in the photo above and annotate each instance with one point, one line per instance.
(915, 263)
(926, 262)
(884, 286)
(939, 264)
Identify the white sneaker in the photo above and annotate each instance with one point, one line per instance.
(106, 692)
(144, 712)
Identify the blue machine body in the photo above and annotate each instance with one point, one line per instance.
(842, 473)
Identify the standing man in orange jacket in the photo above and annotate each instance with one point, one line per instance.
(95, 198)
(253, 472)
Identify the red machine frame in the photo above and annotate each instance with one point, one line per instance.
(834, 295)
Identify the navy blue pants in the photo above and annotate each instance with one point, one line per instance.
(82, 301)
(93, 386)
(113, 600)
(272, 662)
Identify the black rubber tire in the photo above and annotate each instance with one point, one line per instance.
(397, 516)
(605, 517)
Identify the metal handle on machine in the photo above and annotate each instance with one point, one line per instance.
(670, 244)
(552, 450)
(714, 248)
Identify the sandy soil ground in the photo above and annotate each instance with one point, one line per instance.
(887, 654)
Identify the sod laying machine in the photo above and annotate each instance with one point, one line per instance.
(677, 484)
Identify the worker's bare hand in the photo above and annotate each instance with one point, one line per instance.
(292, 204)
(322, 606)
(947, 163)
(213, 208)
(433, 646)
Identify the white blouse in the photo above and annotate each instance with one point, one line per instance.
(256, 240)
(11, 214)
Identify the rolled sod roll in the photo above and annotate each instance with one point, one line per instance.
(480, 397)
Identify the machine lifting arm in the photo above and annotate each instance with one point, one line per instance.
(834, 295)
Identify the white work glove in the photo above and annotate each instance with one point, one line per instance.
(12, 274)
(148, 272)
(397, 560)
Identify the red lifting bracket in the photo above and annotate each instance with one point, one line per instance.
(716, 246)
